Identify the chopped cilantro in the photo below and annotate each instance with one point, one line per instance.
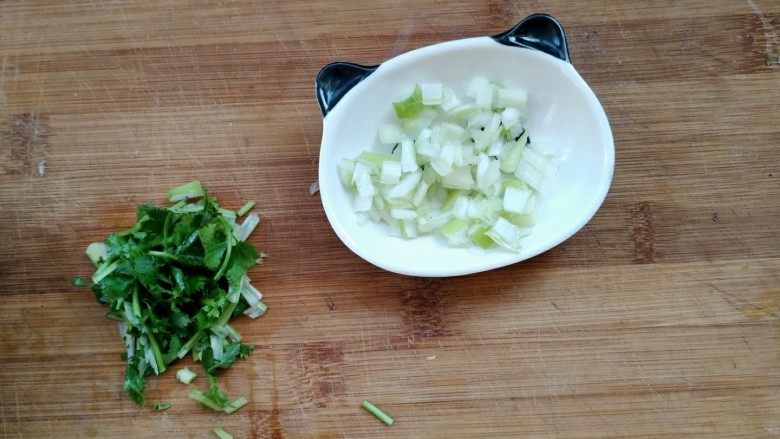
(173, 280)
(215, 399)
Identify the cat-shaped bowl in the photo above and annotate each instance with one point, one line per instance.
(564, 114)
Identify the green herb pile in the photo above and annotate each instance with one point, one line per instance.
(173, 281)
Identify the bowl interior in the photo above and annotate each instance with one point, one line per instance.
(565, 117)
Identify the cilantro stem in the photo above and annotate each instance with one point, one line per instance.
(227, 213)
(166, 224)
(376, 411)
(104, 270)
(221, 433)
(187, 242)
(190, 343)
(246, 208)
(232, 333)
(229, 233)
(160, 254)
(204, 399)
(136, 227)
(158, 356)
(136, 303)
(235, 405)
(183, 259)
(223, 319)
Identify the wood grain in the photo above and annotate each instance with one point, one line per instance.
(658, 319)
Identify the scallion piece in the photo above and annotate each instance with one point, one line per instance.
(410, 107)
(376, 411)
(450, 168)
(221, 433)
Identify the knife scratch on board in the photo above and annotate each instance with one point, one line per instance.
(770, 36)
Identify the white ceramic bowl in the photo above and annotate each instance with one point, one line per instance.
(564, 115)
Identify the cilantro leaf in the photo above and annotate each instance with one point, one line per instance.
(243, 257)
(231, 353)
(134, 382)
(214, 242)
(78, 282)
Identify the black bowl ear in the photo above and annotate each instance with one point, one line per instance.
(541, 32)
(336, 79)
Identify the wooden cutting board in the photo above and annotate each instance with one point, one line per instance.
(658, 319)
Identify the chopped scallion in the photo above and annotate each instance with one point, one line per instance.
(453, 168)
(221, 433)
(376, 411)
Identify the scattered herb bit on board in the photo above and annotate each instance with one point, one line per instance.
(173, 281)
(221, 433)
(161, 406)
(215, 399)
(376, 411)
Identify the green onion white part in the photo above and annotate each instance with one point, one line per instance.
(464, 169)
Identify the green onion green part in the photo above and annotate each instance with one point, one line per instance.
(451, 168)
(411, 106)
(221, 433)
(376, 411)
